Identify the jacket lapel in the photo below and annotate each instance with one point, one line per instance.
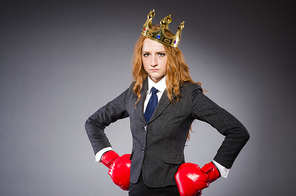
(163, 103)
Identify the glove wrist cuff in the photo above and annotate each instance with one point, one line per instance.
(109, 157)
(212, 171)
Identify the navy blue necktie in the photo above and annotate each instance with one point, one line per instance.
(153, 101)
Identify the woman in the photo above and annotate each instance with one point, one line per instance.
(162, 103)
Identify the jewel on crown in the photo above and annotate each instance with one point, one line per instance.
(159, 34)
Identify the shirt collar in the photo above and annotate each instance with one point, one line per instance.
(160, 86)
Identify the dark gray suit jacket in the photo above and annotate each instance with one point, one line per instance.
(158, 146)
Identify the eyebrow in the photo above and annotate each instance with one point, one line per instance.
(156, 52)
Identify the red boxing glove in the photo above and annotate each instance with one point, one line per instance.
(211, 171)
(191, 180)
(119, 168)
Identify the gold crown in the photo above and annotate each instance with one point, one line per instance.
(159, 34)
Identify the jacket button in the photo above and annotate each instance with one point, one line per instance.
(145, 128)
(143, 149)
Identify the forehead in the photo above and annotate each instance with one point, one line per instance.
(151, 45)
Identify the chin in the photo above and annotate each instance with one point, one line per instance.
(156, 79)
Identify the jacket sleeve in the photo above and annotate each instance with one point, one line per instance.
(236, 135)
(96, 123)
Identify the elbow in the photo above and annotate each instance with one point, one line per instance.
(88, 125)
(245, 135)
(87, 122)
(92, 125)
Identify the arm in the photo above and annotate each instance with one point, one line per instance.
(235, 133)
(119, 167)
(190, 178)
(96, 124)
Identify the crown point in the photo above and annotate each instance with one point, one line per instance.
(151, 14)
(166, 21)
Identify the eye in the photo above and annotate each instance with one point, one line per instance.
(145, 54)
(161, 54)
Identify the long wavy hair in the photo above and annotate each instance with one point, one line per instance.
(177, 70)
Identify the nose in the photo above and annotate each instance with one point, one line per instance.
(154, 61)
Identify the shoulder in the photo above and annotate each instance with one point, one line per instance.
(131, 86)
(127, 93)
(188, 87)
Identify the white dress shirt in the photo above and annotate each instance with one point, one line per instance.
(160, 86)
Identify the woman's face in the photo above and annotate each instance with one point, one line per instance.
(154, 59)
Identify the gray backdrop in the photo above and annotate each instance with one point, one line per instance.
(62, 60)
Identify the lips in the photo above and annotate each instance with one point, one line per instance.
(154, 70)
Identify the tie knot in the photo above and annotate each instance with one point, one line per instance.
(154, 90)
